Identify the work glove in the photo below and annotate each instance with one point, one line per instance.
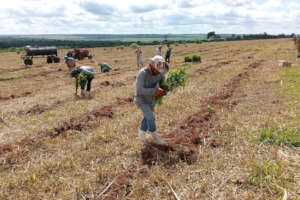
(159, 92)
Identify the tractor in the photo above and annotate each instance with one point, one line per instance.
(81, 54)
(40, 52)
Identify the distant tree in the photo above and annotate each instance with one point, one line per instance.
(210, 34)
(166, 37)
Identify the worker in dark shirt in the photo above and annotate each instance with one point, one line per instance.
(70, 54)
(84, 76)
(168, 53)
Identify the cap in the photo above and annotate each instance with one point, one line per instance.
(160, 64)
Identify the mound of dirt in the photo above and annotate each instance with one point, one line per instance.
(83, 122)
(15, 96)
(5, 148)
(122, 101)
(37, 109)
(105, 83)
(113, 84)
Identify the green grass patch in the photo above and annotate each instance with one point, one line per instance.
(280, 136)
(291, 82)
(272, 176)
(192, 58)
(133, 45)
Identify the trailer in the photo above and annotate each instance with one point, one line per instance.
(81, 54)
(40, 52)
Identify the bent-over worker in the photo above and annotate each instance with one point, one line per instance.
(70, 62)
(83, 76)
(104, 67)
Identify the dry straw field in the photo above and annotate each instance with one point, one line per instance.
(232, 131)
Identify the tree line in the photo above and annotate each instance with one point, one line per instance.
(17, 44)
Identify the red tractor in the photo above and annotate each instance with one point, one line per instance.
(81, 54)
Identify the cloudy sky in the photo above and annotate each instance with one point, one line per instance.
(149, 16)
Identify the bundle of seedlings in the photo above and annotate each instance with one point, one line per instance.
(82, 79)
(175, 79)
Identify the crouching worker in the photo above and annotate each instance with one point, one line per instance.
(104, 67)
(83, 76)
(147, 90)
(70, 62)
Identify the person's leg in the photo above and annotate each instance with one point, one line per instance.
(89, 86)
(82, 86)
(140, 61)
(148, 122)
(144, 125)
(168, 59)
(148, 111)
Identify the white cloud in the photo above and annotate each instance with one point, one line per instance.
(148, 16)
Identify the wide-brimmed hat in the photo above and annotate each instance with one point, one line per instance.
(159, 64)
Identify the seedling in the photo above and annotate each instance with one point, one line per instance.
(82, 79)
(175, 79)
(210, 109)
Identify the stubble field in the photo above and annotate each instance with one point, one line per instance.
(54, 145)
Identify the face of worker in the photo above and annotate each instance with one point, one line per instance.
(153, 70)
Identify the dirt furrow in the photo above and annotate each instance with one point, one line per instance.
(83, 122)
(87, 121)
(14, 96)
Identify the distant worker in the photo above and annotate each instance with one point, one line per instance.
(158, 50)
(297, 44)
(70, 54)
(104, 67)
(147, 90)
(83, 76)
(139, 57)
(168, 53)
(70, 62)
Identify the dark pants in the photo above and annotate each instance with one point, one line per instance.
(89, 84)
(167, 59)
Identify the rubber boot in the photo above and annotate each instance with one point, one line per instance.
(157, 139)
(142, 134)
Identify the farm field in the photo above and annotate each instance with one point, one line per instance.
(232, 131)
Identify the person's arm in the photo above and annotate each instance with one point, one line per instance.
(140, 89)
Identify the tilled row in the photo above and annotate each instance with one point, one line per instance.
(83, 122)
